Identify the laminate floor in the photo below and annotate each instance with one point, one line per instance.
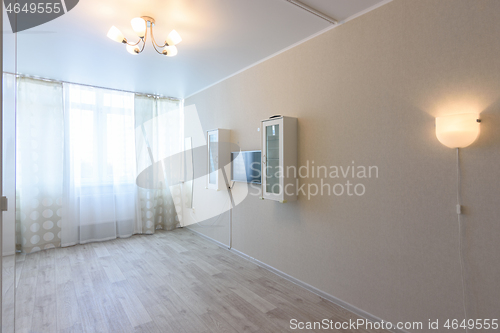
(168, 282)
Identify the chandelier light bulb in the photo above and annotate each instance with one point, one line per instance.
(116, 35)
(173, 38)
(139, 26)
(133, 49)
(170, 51)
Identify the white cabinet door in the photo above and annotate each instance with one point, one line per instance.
(279, 159)
(272, 159)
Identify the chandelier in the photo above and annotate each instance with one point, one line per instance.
(140, 26)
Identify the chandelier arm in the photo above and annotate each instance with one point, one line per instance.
(143, 39)
(154, 46)
(134, 44)
(154, 41)
(143, 45)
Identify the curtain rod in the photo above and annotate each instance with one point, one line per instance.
(91, 86)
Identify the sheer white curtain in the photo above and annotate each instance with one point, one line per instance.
(39, 169)
(79, 153)
(159, 144)
(171, 151)
(100, 195)
(150, 194)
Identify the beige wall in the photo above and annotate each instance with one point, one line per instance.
(368, 91)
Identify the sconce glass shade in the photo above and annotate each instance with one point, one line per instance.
(135, 50)
(139, 26)
(115, 34)
(457, 131)
(170, 51)
(173, 38)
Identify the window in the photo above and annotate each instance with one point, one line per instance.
(101, 130)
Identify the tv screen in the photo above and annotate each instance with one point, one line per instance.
(246, 166)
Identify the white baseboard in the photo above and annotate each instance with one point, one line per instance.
(225, 246)
(351, 308)
(5, 254)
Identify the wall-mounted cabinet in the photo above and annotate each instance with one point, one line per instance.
(279, 159)
(219, 156)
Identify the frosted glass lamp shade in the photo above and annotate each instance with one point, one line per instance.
(135, 50)
(173, 38)
(139, 26)
(116, 35)
(170, 51)
(458, 131)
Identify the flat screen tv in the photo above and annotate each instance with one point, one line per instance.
(246, 166)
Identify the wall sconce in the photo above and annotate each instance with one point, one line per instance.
(458, 131)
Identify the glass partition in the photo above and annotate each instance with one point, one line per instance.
(8, 249)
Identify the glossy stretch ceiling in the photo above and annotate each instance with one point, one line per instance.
(220, 38)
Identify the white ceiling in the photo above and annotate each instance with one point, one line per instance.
(220, 37)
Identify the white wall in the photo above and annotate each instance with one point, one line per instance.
(368, 91)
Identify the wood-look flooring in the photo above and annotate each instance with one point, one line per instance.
(167, 282)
